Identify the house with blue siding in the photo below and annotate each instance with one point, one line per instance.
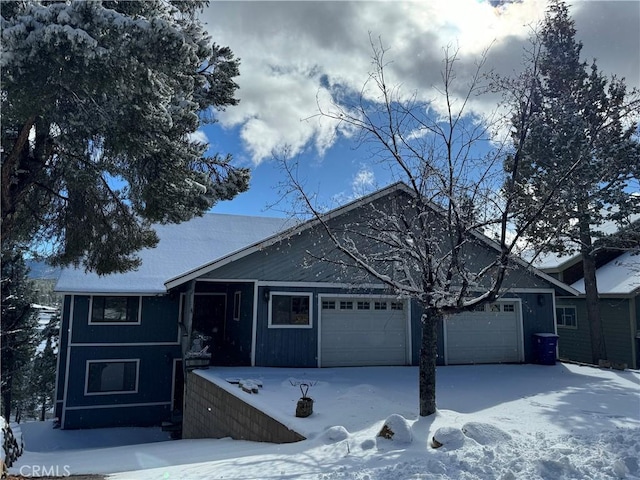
(260, 291)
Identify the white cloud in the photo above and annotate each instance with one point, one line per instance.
(295, 55)
(362, 183)
(199, 136)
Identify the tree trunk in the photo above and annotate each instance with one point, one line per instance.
(428, 355)
(598, 350)
(7, 380)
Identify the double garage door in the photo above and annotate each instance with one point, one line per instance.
(374, 331)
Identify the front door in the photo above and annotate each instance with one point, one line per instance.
(209, 315)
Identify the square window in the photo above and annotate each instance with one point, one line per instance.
(479, 308)
(364, 306)
(112, 376)
(494, 307)
(328, 305)
(397, 305)
(567, 317)
(114, 309)
(379, 305)
(290, 310)
(508, 307)
(346, 305)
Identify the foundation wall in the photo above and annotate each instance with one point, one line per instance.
(212, 412)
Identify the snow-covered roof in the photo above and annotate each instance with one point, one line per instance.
(182, 247)
(620, 276)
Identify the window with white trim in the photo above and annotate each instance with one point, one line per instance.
(567, 316)
(290, 310)
(115, 310)
(509, 307)
(112, 376)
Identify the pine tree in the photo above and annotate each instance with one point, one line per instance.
(583, 129)
(100, 101)
(18, 329)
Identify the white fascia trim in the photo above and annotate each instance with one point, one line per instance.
(388, 296)
(526, 290)
(112, 293)
(232, 257)
(225, 280)
(267, 283)
(120, 405)
(72, 302)
(254, 325)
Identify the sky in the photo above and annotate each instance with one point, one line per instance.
(299, 55)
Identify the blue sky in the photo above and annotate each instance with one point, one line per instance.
(296, 55)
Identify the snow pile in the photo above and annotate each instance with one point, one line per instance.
(397, 429)
(336, 434)
(484, 433)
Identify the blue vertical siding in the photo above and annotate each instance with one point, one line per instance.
(286, 347)
(155, 342)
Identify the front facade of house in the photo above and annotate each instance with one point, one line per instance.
(268, 305)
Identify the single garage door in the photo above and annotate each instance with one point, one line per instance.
(492, 334)
(363, 331)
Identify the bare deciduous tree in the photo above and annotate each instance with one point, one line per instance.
(423, 245)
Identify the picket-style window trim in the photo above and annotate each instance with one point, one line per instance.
(134, 389)
(302, 297)
(99, 303)
(560, 316)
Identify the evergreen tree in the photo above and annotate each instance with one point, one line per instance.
(43, 379)
(582, 129)
(100, 101)
(18, 329)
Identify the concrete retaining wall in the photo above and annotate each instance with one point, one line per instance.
(212, 412)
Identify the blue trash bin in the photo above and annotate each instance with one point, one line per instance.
(545, 345)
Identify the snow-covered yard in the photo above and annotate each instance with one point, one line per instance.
(496, 422)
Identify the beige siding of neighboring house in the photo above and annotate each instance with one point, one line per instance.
(575, 343)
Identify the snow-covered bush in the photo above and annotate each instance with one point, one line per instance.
(12, 447)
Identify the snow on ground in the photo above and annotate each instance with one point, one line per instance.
(495, 421)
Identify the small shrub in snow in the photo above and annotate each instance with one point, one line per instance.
(11, 447)
(396, 428)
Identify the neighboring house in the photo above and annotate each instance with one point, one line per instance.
(254, 288)
(618, 280)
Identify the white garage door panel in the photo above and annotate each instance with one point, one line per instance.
(483, 337)
(363, 337)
